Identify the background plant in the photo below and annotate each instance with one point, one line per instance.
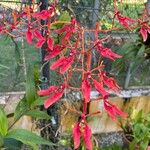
(136, 129)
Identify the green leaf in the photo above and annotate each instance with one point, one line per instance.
(133, 145)
(144, 143)
(3, 66)
(39, 101)
(21, 108)
(38, 114)
(1, 141)
(65, 16)
(27, 137)
(30, 86)
(3, 123)
(141, 51)
(139, 116)
(12, 144)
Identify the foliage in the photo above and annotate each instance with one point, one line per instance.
(26, 137)
(113, 147)
(137, 128)
(134, 54)
(12, 67)
(27, 106)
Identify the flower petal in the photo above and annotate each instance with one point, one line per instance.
(66, 65)
(50, 43)
(47, 91)
(38, 35)
(54, 98)
(44, 14)
(100, 89)
(143, 32)
(76, 135)
(110, 82)
(87, 137)
(108, 53)
(29, 37)
(86, 90)
(57, 63)
(40, 43)
(113, 110)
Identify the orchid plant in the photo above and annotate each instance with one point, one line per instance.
(72, 56)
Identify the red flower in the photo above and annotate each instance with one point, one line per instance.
(56, 51)
(55, 93)
(68, 29)
(124, 20)
(100, 89)
(44, 14)
(76, 135)
(109, 82)
(1, 28)
(29, 36)
(145, 29)
(82, 129)
(107, 52)
(50, 43)
(41, 39)
(86, 89)
(87, 137)
(113, 110)
(47, 91)
(64, 63)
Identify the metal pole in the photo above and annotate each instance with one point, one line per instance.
(45, 71)
(52, 111)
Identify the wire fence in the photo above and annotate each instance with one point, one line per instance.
(87, 13)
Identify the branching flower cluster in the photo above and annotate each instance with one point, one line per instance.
(72, 56)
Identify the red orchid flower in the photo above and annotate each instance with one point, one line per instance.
(41, 39)
(29, 36)
(86, 90)
(68, 29)
(55, 93)
(107, 52)
(145, 29)
(44, 14)
(100, 89)
(109, 81)
(113, 110)
(50, 43)
(64, 63)
(81, 129)
(1, 28)
(57, 49)
(124, 20)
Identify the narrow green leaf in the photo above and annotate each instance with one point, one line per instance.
(133, 145)
(144, 143)
(141, 51)
(3, 66)
(30, 86)
(38, 114)
(1, 141)
(21, 108)
(39, 101)
(3, 123)
(27, 137)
